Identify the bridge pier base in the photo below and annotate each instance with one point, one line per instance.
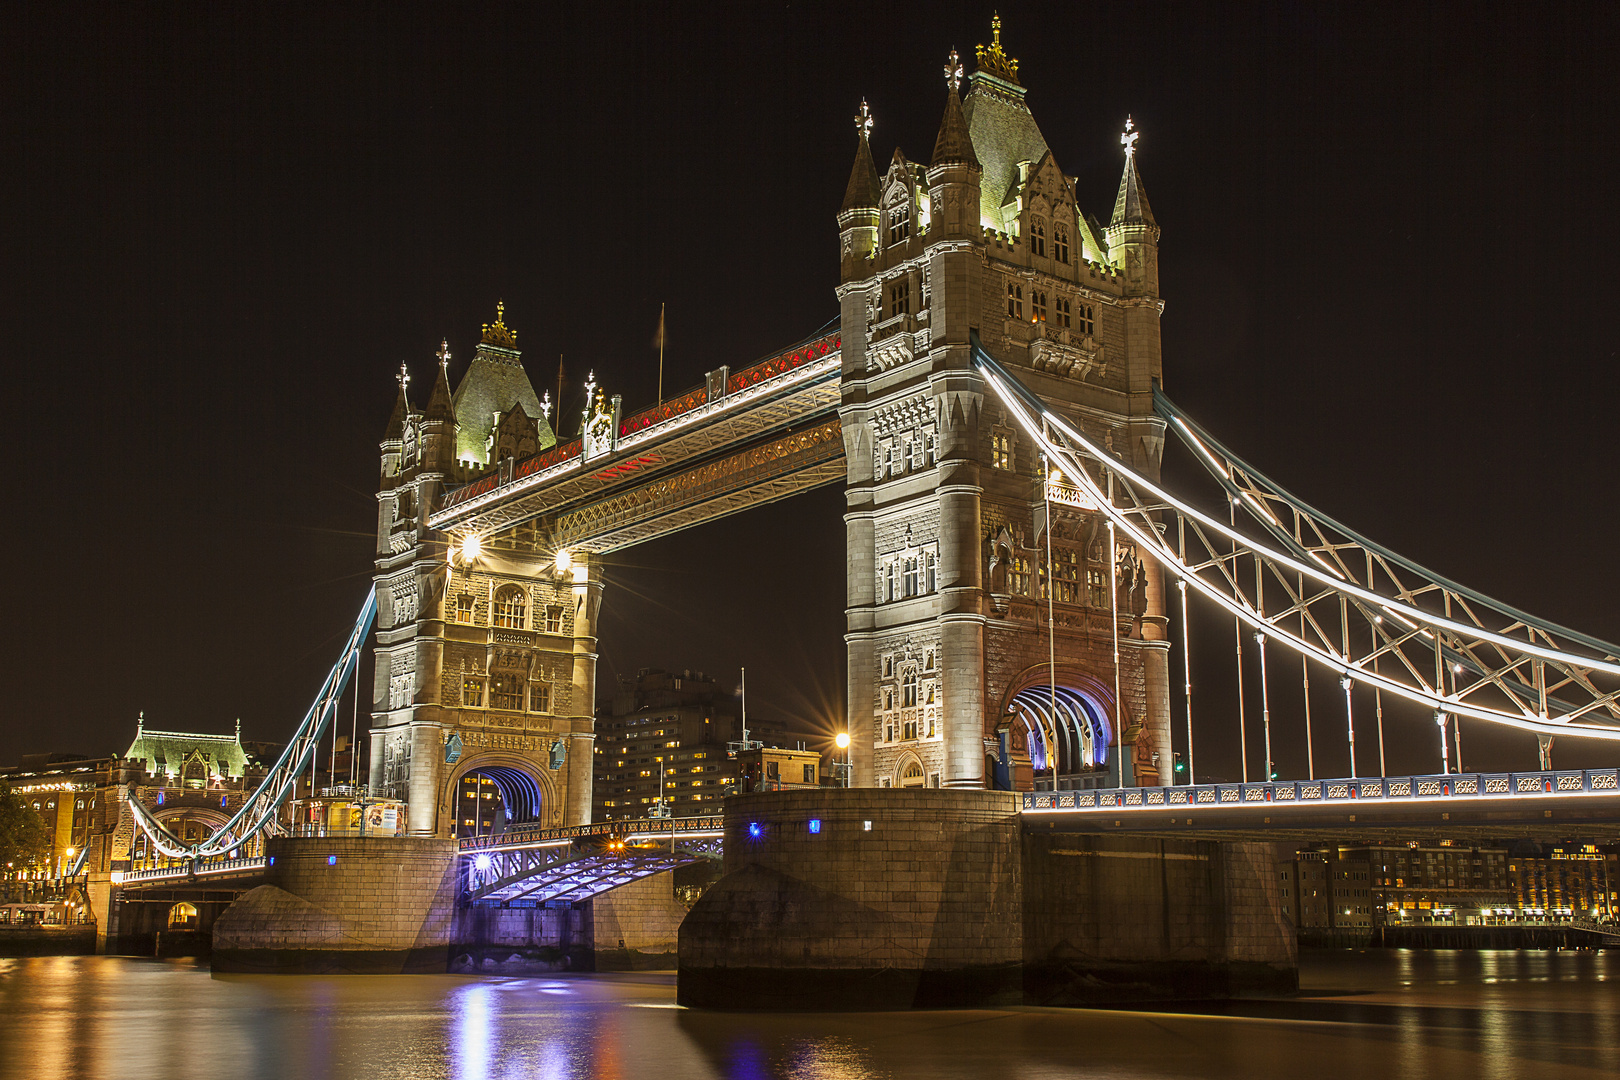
(909, 898)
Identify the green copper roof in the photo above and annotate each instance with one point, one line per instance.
(494, 382)
(169, 751)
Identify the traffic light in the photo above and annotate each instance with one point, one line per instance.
(1180, 765)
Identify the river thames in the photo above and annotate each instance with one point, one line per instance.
(1379, 1014)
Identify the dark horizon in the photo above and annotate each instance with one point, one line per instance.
(1387, 246)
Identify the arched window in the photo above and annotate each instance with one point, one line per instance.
(1037, 237)
(1060, 243)
(908, 689)
(913, 775)
(1037, 306)
(911, 576)
(509, 607)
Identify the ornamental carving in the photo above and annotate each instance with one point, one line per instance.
(890, 353)
(1075, 361)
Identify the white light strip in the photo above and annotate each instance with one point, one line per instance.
(1164, 554)
(1462, 629)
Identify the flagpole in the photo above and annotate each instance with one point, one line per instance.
(558, 431)
(660, 352)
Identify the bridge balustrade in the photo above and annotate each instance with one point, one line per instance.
(1389, 789)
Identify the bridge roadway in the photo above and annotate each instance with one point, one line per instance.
(1560, 805)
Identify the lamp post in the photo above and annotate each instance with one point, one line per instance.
(842, 769)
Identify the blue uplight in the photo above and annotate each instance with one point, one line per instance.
(755, 830)
(331, 860)
(815, 825)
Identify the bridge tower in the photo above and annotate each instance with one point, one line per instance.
(486, 652)
(954, 624)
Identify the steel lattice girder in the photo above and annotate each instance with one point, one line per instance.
(756, 476)
(562, 872)
(793, 398)
(1360, 609)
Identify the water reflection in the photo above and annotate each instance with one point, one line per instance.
(1388, 1014)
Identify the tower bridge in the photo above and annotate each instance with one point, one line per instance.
(991, 396)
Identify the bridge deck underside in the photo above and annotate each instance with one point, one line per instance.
(575, 876)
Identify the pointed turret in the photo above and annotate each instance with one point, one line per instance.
(402, 408)
(858, 217)
(953, 146)
(954, 170)
(1131, 205)
(863, 190)
(439, 402)
(494, 383)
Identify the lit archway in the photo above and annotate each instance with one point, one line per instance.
(183, 916)
(490, 793)
(1067, 731)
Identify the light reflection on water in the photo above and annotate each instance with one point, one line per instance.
(1392, 1015)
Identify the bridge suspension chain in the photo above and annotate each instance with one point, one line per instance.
(1362, 610)
(258, 813)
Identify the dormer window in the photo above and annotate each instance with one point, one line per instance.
(1037, 238)
(899, 223)
(1060, 244)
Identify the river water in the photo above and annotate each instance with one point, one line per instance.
(1378, 1014)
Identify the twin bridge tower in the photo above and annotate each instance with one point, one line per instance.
(976, 570)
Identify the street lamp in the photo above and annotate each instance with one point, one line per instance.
(842, 768)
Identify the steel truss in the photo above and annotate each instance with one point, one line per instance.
(258, 814)
(578, 863)
(1301, 579)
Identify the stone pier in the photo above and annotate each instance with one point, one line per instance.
(888, 898)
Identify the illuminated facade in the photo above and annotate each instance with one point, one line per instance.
(486, 651)
(970, 565)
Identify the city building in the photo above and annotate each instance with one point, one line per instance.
(769, 768)
(667, 735)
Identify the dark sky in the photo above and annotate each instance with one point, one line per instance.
(1388, 259)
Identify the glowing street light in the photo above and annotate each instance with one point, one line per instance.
(565, 560)
(842, 741)
(471, 547)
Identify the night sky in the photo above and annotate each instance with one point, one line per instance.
(1389, 262)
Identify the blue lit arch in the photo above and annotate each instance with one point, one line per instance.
(1075, 735)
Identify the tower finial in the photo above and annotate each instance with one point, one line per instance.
(497, 332)
(863, 121)
(994, 60)
(404, 377)
(444, 355)
(1128, 139)
(953, 66)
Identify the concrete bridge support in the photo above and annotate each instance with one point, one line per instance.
(903, 898)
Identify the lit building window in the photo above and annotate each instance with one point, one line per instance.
(506, 692)
(1037, 305)
(1015, 301)
(509, 605)
(1001, 450)
(472, 691)
(464, 608)
(554, 619)
(899, 223)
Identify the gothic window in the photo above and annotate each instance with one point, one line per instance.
(1037, 238)
(472, 691)
(908, 689)
(1018, 575)
(1037, 305)
(931, 442)
(928, 661)
(506, 692)
(908, 728)
(509, 605)
(539, 697)
(1001, 450)
(1097, 586)
(554, 615)
(464, 608)
(888, 673)
(1060, 244)
(900, 297)
(899, 223)
(1088, 319)
(889, 582)
(1060, 312)
(1065, 575)
(888, 700)
(910, 575)
(1015, 301)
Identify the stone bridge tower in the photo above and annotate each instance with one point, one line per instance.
(486, 654)
(957, 614)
